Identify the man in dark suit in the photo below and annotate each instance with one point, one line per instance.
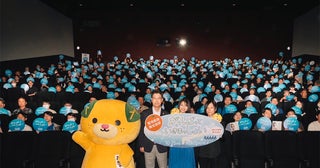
(150, 149)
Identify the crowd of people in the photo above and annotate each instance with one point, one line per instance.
(226, 90)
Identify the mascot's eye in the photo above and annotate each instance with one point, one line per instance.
(118, 122)
(94, 120)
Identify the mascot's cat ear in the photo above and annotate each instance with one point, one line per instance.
(87, 109)
(131, 113)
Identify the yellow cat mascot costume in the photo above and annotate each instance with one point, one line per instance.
(107, 126)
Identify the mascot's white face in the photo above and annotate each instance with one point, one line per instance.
(110, 122)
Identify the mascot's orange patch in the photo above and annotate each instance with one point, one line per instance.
(107, 126)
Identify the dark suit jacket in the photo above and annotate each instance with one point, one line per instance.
(143, 140)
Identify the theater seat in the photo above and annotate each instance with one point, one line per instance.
(4, 122)
(76, 155)
(309, 148)
(52, 149)
(17, 149)
(281, 149)
(225, 157)
(248, 149)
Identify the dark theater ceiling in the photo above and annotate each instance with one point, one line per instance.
(77, 8)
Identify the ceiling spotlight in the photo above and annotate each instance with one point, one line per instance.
(182, 4)
(234, 4)
(285, 4)
(182, 42)
(80, 4)
(78, 47)
(288, 48)
(131, 5)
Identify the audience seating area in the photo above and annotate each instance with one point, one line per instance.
(79, 81)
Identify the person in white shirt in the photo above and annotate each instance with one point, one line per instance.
(315, 125)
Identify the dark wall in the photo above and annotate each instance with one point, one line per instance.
(306, 34)
(211, 34)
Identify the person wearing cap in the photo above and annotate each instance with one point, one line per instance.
(22, 103)
(48, 116)
(151, 149)
(22, 116)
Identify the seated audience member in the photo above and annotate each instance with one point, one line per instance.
(315, 125)
(252, 96)
(13, 94)
(249, 109)
(68, 106)
(200, 108)
(142, 103)
(228, 106)
(267, 99)
(235, 97)
(31, 92)
(2, 109)
(48, 116)
(46, 104)
(22, 103)
(73, 117)
(291, 113)
(197, 97)
(303, 96)
(92, 99)
(275, 109)
(22, 116)
(231, 125)
(267, 113)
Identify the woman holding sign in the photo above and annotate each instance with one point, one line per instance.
(208, 154)
(182, 157)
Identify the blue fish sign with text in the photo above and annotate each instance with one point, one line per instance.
(183, 130)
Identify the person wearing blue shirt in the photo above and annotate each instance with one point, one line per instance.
(48, 116)
(182, 157)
